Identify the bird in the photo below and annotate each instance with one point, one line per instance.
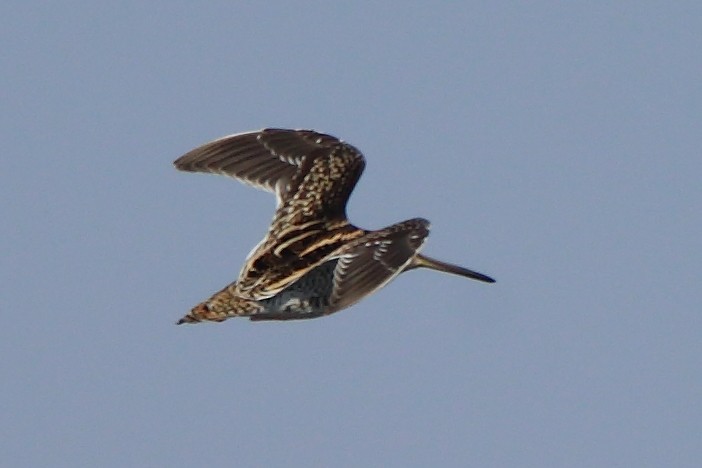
(312, 262)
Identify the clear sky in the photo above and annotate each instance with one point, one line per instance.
(553, 145)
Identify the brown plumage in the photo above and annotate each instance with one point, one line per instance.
(312, 261)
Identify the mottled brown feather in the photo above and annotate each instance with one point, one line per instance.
(312, 261)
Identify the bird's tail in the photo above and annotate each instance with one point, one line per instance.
(422, 261)
(199, 313)
(220, 307)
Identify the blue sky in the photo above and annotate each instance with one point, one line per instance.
(554, 146)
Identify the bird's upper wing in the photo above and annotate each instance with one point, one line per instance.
(309, 227)
(312, 174)
(373, 260)
(268, 159)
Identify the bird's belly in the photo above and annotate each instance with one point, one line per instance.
(308, 295)
(294, 303)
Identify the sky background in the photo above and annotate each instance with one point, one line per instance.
(555, 146)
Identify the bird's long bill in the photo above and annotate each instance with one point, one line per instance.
(427, 262)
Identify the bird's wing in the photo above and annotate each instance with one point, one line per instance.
(320, 188)
(309, 226)
(373, 260)
(269, 159)
(312, 174)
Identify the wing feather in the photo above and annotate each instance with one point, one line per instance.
(268, 159)
(374, 260)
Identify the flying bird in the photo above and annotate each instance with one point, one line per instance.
(313, 261)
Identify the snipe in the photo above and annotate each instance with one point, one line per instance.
(312, 262)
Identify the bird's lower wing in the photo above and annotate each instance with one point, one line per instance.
(373, 260)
